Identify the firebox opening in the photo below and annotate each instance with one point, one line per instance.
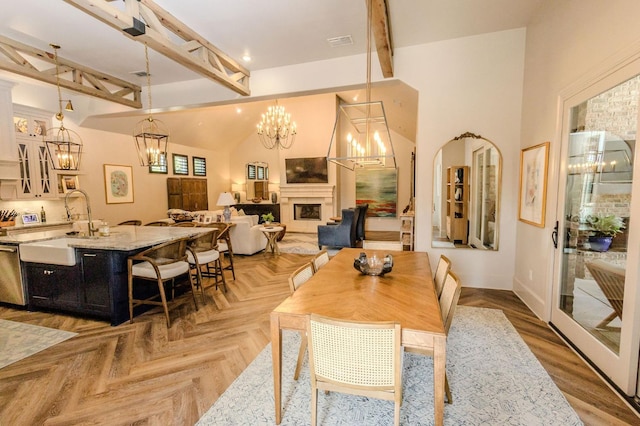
(307, 212)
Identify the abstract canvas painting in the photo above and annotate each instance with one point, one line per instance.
(379, 189)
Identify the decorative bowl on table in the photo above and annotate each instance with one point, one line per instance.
(373, 265)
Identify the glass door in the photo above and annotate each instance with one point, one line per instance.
(596, 268)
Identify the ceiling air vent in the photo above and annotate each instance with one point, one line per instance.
(340, 41)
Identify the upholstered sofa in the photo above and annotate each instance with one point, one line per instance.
(246, 237)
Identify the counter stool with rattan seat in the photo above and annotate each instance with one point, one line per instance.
(202, 253)
(161, 263)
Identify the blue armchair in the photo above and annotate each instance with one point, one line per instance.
(361, 218)
(341, 235)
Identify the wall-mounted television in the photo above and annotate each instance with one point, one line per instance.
(307, 170)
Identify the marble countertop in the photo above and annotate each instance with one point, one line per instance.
(122, 237)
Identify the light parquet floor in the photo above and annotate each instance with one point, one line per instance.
(142, 373)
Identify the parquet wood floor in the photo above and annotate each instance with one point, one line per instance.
(142, 373)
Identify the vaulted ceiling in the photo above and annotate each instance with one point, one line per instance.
(274, 33)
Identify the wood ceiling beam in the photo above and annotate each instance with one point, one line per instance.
(82, 79)
(146, 22)
(381, 28)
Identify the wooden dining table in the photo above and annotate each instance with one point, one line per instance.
(405, 295)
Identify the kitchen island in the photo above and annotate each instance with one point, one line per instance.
(96, 284)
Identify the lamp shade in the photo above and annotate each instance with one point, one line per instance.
(225, 199)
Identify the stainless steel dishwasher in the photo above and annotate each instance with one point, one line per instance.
(11, 290)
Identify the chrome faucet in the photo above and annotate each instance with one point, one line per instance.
(86, 196)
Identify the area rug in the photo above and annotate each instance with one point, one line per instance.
(300, 243)
(18, 340)
(494, 378)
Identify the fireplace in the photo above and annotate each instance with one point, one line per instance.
(307, 212)
(305, 206)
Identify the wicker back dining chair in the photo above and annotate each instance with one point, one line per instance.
(160, 264)
(448, 301)
(296, 279)
(157, 223)
(444, 265)
(320, 259)
(610, 279)
(357, 358)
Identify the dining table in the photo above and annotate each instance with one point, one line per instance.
(406, 295)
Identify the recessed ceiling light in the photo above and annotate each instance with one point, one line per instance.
(344, 40)
(246, 58)
(238, 110)
(139, 73)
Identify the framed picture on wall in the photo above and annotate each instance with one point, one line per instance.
(118, 184)
(68, 182)
(533, 184)
(379, 189)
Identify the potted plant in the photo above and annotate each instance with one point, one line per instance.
(268, 218)
(604, 227)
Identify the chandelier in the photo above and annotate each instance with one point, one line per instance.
(361, 134)
(64, 145)
(276, 130)
(151, 135)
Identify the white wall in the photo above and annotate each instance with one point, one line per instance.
(564, 41)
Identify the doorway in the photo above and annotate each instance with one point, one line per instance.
(596, 264)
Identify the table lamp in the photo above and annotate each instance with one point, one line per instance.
(226, 199)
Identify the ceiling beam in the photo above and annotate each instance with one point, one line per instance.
(381, 29)
(146, 22)
(73, 76)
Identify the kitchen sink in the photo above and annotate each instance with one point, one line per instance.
(56, 252)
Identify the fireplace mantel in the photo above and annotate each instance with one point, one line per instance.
(307, 193)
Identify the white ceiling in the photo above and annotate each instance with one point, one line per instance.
(275, 33)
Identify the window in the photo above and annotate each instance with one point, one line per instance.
(199, 166)
(180, 164)
(160, 168)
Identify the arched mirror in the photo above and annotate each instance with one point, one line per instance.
(466, 193)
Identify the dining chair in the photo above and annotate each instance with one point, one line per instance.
(610, 279)
(319, 260)
(357, 358)
(296, 279)
(382, 245)
(135, 222)
(448, 301)
(157, 223)
(224, 244)
(202, 253)
(160, 263)
(444, 265)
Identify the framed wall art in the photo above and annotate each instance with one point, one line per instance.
(68, 182)
(118, 184)
(534, 162)
(379, 189)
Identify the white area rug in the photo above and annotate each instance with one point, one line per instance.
(300, 243)
(494, 378)
(18, 340)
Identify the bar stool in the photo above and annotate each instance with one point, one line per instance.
(160, 263)
(202, 252)
(224, 243)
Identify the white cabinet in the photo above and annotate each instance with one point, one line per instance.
(37, 178)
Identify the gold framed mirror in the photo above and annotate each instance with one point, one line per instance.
(466, 193)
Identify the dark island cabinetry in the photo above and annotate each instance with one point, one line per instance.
(95, 286)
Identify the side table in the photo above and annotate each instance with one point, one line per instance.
(271, 232)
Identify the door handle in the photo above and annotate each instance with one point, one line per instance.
(554, 235)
